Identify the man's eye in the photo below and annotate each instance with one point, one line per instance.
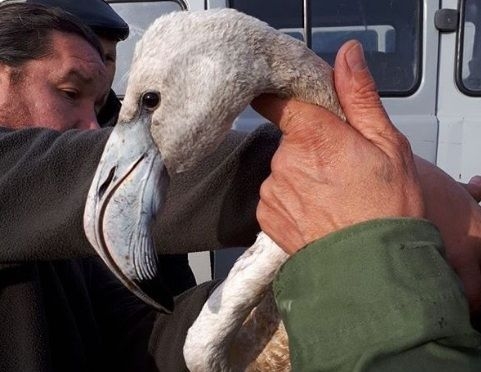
(70, 94)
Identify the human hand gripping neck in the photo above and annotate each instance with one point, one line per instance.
(328, 175)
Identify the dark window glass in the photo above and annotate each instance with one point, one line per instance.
(278, 13)
(470, 66)
(390, 32)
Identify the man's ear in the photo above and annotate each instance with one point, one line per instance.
(7, 74)
(3, 72)
(4, 77)
(8, 77)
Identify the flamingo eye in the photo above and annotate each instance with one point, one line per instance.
(151, 100)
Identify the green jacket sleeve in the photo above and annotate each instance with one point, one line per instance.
(377, 296)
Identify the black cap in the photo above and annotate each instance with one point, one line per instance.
(97, 14)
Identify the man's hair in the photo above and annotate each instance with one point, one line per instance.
(97, 14)
(25, 32)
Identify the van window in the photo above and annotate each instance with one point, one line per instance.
(469, 70)
(390, 32)
(139, 16)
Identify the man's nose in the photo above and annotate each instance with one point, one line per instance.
(93, 124)
(89, 121)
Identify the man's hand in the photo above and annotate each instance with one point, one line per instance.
(473, 187)
(458, 217)
(326, 174)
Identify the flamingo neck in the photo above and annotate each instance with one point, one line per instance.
(207, 343)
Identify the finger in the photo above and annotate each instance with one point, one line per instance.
(476, 180)
(279, 226)
(292, 115)
(270, 106)
(358, 93)
(474, 188)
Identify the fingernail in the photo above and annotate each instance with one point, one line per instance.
(355, 57)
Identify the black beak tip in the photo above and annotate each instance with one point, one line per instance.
(160, 295)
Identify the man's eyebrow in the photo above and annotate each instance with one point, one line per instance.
(77, 74)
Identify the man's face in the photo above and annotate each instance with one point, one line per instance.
(61, 91)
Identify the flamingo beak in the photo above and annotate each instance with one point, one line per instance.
(127, 192)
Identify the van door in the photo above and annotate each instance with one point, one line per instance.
(459, 96)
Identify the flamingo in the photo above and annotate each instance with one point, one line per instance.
(192, 74)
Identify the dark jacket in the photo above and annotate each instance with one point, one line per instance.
(61, 310)
(109, 113)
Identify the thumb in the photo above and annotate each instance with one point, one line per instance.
(357, 93)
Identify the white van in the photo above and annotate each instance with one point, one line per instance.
(425, 56)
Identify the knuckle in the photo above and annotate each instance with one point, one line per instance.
(398, 144)
(265, 191)
(403, 143)
(403, 146)
(260, 211)
(277, 163)
(366, 96)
